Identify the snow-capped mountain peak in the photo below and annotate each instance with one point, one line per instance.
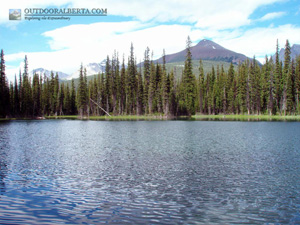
(43, 71)
(91, 69)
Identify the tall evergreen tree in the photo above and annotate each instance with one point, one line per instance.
(165, 87)
(4, 89)
(26, 92)
(189, 81)
(82, 93)
(286, 76)
(36, 95)
(147, 71)
(278, 79)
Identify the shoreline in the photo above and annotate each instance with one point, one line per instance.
(221, 117)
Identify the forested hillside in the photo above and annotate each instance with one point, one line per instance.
(272, 88)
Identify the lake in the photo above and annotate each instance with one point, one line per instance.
(155, 172)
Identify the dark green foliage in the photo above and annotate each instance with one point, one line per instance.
(189, 83)
(247, 88)
(82, 94)
(4, 89)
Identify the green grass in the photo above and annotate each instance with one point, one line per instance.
(120, 117)
(247, 117)
(230, 117)
(4, 119)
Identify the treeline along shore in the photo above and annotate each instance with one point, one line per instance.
(148, 89)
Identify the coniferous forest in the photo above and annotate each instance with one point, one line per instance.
(272, 88)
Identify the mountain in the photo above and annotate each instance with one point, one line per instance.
(295, 51)
(206, 50)
(91, 69)
(42, 72)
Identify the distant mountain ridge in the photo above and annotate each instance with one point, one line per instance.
(91, 69)
(42, 72)
(206, 50)
(295, 51)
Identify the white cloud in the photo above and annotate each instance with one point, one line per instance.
(84, 43)
(205, 13)
(260, 41)
(76, 44)
(271, 16)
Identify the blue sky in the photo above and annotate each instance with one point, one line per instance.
(250, 27)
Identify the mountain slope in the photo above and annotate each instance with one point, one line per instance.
(206, 50)
(42, 72)
(91, 69)
(295, 51)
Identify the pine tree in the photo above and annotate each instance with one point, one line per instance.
(131, 83)
(151, 89)
(147, 71)
(16, 99)
(60, 100)
(278, 79)
(242, 89)
(67, 101)
(271, 86)
(123, 88)
(139, 93)
(164, 87)
(285, 78)
(289, 89)
(82, 93)
(36, 92)
(297, 85)
(157, 96)
(189, 81)
(26, 92)
(230, 89)
(4, 89)
(73, 99)
(201, 86)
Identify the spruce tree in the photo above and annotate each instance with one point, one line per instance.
(26, 92)
(164, 87)
(201, 86)
(82, 93)
(278, 79)
(271, 86)
(3, 87)
(189, 81)
(297, 85)
(123, 88)
(289, 90)
(36, 92)
(285, 78)
(147, 71)
(16, 99)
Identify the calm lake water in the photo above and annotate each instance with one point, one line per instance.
(164, 172)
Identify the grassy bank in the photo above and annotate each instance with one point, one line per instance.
(162, 117)
(120, 117)
(247, 117)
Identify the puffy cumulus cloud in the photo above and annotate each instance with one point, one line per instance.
(85, 34)
(95, 41)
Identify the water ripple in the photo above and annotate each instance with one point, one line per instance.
(158, 172)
